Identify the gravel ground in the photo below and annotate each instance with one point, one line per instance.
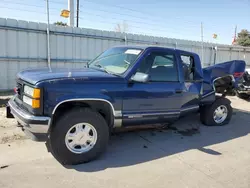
(188, 155)
(9, 131)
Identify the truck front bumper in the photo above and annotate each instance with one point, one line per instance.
(36, 125)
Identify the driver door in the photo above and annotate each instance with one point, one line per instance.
(159, 99)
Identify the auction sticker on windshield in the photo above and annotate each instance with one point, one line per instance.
(132, 51)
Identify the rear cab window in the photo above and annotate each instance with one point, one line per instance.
(188, 66)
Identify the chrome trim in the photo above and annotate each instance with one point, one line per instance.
(161, 113)
(118, 113)
(37, 128)
(210, 93)
(86, 99)
(149, 114)
(34, 128)
(189, 108)
(117, 123)
(24, 114)
(247, 87)
(246, 92)
(118, 119)
(135, 116)
(220, 78)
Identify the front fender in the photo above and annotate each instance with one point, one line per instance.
(63, 99)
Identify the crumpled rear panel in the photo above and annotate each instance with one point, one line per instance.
(235, 68)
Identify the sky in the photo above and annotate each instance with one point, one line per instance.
(179, 19)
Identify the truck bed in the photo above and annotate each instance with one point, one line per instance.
(222, 76)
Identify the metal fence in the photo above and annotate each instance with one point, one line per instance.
(24, 45)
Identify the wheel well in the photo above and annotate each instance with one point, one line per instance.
(224, 85)
(101, 107)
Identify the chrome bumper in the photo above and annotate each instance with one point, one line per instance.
(34, 124)
(242, 91)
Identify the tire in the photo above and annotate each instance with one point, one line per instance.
(57, 138)
(202, 114)
(242, 95)
(207, 112)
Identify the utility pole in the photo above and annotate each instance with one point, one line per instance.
(235, 32)
(71, 13)
(235, 36)
(48, 33)
(77, 13)
(202, 44)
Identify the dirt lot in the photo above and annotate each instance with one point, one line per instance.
(190, 156)
(8, 127)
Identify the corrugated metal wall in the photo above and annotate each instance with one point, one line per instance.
(23, 45)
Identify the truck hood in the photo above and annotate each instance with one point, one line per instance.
(34, 76)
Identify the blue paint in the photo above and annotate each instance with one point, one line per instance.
(139, 103)
(16, 58)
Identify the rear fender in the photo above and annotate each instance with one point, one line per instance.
(224, 77)
(235, 68)
(224, 84)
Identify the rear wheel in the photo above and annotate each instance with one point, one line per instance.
(219, 113)
(79, 136)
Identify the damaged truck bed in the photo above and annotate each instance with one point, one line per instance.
(223, 77)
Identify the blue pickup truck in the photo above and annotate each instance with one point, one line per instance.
(76, 110)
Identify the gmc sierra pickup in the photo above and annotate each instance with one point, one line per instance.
(124, 86)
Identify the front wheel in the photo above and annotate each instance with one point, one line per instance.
(219, 113)
(79, 136)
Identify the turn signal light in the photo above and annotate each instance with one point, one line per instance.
(35, 103)
(238, 74)
(36, 93)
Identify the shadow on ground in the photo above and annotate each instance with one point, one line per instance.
(247, 100)
(5, 97)
(3, 102)
(137, 147)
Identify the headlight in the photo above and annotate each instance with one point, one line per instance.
(33, 98)
(33, 92)
(27, 100)
(32, 102)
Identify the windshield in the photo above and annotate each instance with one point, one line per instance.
(116, 60)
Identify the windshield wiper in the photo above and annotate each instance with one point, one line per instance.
(105, 70)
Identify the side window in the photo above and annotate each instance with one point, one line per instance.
(160, 66)
(188, 67)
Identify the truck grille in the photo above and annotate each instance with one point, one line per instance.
(19, 98)
(19, 89)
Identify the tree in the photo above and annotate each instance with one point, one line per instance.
(243, 38)
(60, 23)
(121, 27)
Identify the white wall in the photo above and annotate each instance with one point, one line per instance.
(23, 45)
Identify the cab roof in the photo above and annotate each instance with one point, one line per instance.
(144, 47)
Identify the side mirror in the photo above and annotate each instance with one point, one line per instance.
(140, 77)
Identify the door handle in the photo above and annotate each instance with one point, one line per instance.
(178, 91)
(198, 81)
